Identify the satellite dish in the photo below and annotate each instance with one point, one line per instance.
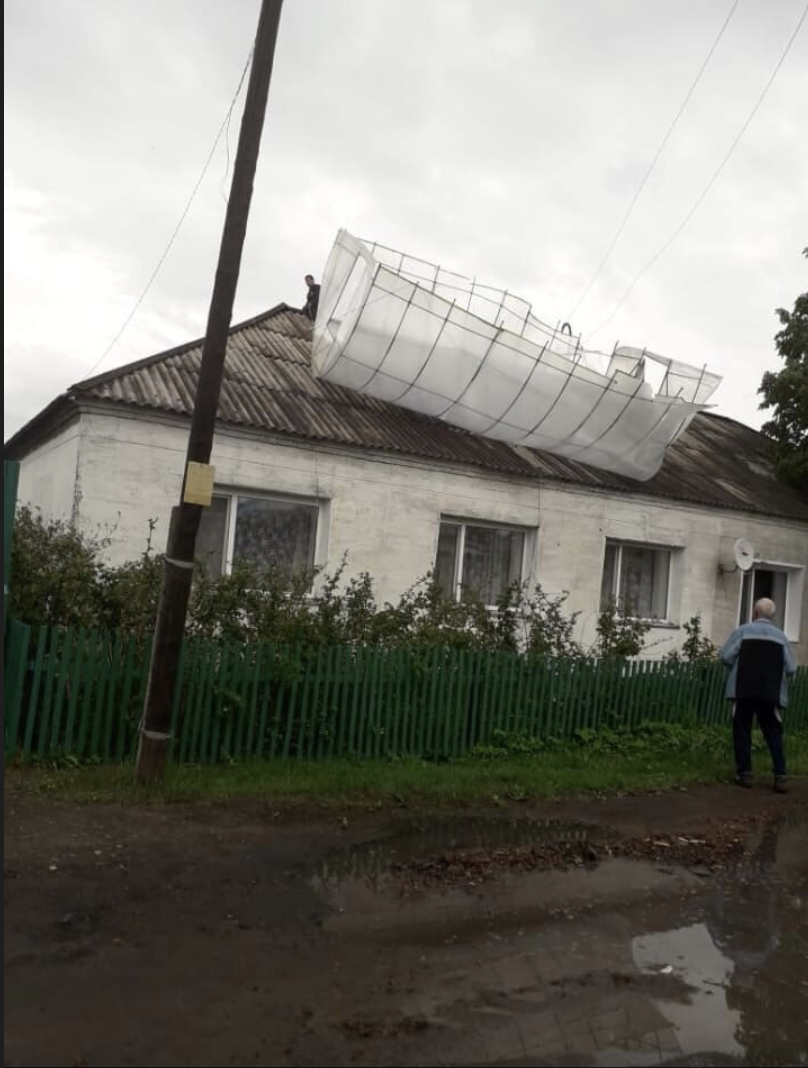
(744, 554)
(740, 558)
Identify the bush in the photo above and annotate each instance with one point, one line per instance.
(696, 648)
(58, 574)
(60, 577)
(620, 634)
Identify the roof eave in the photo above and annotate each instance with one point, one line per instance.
(45, 424)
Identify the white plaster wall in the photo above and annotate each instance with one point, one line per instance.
(48, 475)
(384, 513)
(574, 526)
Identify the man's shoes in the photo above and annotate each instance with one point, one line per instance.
(744, 779)
(780, 784)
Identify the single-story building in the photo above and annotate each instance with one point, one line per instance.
(307, 471)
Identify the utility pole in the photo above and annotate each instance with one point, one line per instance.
(180, 548)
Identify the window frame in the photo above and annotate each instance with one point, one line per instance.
(232, 496)
(620, 544)
(528, 547)
(795, 586)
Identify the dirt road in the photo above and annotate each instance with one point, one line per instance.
(663, 929)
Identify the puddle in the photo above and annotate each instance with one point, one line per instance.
(705, 1021)
(418, 839)
(592, 992)
(630, 964)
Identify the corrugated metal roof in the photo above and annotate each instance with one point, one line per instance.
(268, 385)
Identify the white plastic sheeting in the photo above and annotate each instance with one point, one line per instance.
(408, 332)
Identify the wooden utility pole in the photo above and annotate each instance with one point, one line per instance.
(179, 562)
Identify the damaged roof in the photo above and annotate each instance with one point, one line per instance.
(268, 386)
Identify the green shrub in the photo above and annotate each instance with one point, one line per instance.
(60, 577)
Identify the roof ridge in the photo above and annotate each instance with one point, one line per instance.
(177, 350)
(270, 387)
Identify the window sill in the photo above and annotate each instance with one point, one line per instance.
(654, 624)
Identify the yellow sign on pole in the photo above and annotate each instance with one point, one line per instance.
(199, 483)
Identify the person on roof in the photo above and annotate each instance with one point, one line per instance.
(761, 660)
(309, 309)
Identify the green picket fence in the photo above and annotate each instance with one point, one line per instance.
(79, 693)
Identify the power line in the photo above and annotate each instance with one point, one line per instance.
(227, 139)
(224, 126)
(607, 254)
(714, 178)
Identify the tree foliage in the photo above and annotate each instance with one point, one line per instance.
(785, 392)
(60, 577)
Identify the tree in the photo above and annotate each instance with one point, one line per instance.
(786, 393)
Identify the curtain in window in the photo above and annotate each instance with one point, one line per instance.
(608, 587)
(492, 559)
(446, 558)
(276, 534)
(644, 581)
(212, 537)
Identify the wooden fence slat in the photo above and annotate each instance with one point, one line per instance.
(325, 711)
(342, 672)
(271, 703)
(51, 673)
(246, 732)
(446, 699)
(233, 704)
(563, 687)
(306, 691)
(80, 692)
(133, 672)
(292, 711)
(356, 691)
(181, 733)
(33, 707)
(392, 719)
(106, 698)
(66, 665)
(200, 709)
(79, 665)
(410, 684)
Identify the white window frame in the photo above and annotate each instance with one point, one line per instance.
(795, 588)
(619, 544)
(232, 496)
(529, 535)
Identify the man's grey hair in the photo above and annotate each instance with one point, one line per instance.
(765, 608)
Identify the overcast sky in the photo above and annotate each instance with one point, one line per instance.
(503, 140)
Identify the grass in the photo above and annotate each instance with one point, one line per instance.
(652, 758)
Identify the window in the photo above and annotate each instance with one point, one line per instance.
(783, 584)
(637, 579)
(479, 560)
(763, 582)
(263, 531)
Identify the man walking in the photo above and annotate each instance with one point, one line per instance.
(761, 660)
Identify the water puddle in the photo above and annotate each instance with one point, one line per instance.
(719, 979)
(628, 964)
(418, 839)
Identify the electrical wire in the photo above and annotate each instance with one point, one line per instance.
(224, 126)
(713, 179)
(607, 254)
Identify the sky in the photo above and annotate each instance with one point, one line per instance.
(504, 141)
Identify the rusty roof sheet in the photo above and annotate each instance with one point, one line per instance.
(269, 386)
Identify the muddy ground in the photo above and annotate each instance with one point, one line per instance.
(669, 929)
